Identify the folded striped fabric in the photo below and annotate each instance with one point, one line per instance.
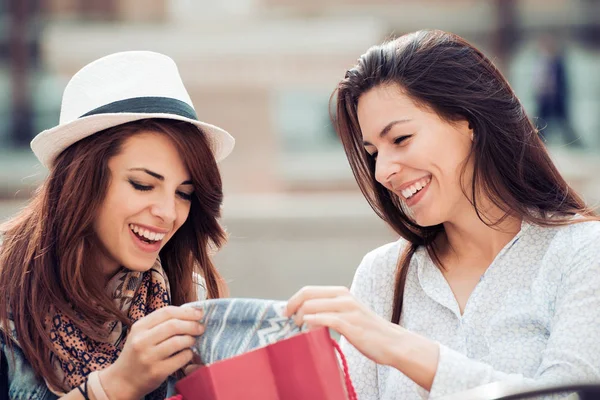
(234, 326)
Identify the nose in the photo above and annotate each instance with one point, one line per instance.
(386, 166)
(164, 208)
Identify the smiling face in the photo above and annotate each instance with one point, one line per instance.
(419, 156)
(147, 200)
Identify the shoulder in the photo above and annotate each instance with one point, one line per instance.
(20, 378)
(575, 246)
(374, 279)
(381, 262)
(577, 236)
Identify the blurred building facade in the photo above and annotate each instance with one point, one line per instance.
(265, 70)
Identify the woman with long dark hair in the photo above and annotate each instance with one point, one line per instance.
(496, 276)
(118, 235)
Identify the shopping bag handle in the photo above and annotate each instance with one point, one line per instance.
(347, 380)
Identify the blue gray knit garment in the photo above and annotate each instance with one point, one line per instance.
(234, 326)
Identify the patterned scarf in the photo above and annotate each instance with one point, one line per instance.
(137, 294)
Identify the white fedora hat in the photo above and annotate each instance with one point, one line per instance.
(120, 88)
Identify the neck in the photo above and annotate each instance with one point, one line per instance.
(109, 274)
(108, 266)
(469, 238)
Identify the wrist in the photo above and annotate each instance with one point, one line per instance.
(415, 356)
(399, 347)
(115, 387)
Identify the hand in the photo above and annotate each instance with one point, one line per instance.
(193, 365)
(191, 368)
(156, 346)
(338, 309)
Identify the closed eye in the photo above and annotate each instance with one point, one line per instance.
(185, 196)
(147, 188)
(400, 139)
(138, 186)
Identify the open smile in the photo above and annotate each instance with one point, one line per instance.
(146, 239)
(414, 192)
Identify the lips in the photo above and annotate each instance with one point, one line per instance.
(144, 244)
(146, 235)
(415, 187)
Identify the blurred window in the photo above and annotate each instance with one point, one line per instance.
(312, 156)
(302, 119)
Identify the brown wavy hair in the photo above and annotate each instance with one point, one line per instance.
(47, 257)
(442, 72)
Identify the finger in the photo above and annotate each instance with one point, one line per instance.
(172, 345)
(196, 360)
(177, 361)
(167, 313)
(191, 368)
(171, 328)
(312, 292)
(333, 321)
(328, 305)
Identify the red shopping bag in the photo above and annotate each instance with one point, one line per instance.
(304, 366)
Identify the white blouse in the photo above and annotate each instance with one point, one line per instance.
(533, 318)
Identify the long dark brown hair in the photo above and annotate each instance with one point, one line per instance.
(444, 73)
(47, 257)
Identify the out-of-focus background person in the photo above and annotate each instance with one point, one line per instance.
(552, 91)
(265, 70)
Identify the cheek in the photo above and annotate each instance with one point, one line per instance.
(119, 206)
(183, 212)
(107, 228)
(455, 175)
(102, 223)
(107, 214)
(449, 156)
(126, 202)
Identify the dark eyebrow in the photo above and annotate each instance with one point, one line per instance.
(157, 175)
(387, 129)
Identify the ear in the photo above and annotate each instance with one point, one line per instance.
(471, 129)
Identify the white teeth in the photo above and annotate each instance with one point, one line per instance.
(414, 188)
(154, 236)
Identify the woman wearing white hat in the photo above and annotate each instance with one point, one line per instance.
(117, 235)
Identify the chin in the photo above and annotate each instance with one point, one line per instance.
(425, 220)
(139, 266)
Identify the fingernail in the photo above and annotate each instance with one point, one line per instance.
(198, 312)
